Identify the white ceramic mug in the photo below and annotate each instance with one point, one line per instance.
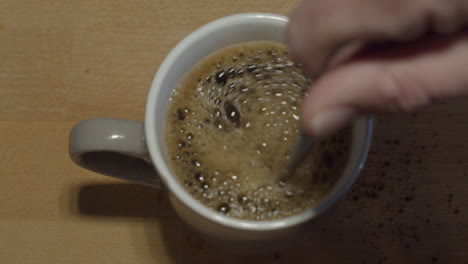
(131, 150)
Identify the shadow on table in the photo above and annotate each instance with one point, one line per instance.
(345, 229)
(119, 200)
(399, 210)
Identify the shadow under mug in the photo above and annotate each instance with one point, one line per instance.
(135, 151)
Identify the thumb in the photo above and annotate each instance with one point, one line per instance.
(399, 79)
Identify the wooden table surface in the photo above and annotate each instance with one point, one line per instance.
(63, 61)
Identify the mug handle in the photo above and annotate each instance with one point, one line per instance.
(113, 147)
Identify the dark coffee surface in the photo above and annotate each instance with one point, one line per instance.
(231, 123)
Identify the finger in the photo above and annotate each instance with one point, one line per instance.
(320, 29)
(399, 80)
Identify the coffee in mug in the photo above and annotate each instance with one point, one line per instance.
(230, 125)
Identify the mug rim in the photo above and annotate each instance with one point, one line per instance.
(170, 180)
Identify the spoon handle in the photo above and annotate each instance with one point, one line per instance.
(304, 144)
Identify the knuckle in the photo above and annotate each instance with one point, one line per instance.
(447, 16)
(403, 91)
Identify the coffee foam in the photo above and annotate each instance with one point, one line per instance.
(231, 123)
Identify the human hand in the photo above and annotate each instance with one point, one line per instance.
(377, 56)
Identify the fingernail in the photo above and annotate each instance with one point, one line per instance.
(329, 121)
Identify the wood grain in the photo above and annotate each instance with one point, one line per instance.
(63, 61)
